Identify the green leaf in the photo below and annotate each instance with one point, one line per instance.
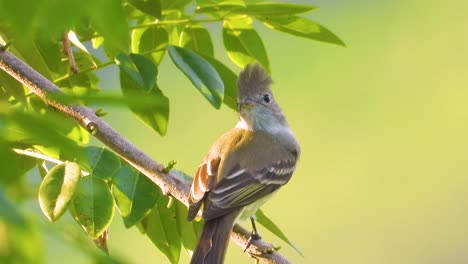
(114, 28)
(243, 44)
(150, 7)
(272, 227)
(202, 74)
(203, 3)
(12, 87)
(174, 5)
(236, 8)
(276, 9)
(161, 227)
(221, 9)
(83, 29)
(29, 53)
(209, 6)
(230, 82)
(154, 114)
(93, 206)
(79, 85)
(57, 189)
(138, 79)
(141, 70)
(301, 27)
(135, 195)
(12, 12)
(96, 42)
(46, 129)
(27, 20)
(51, 52)
(197, 38)
(151, 42)
(100, 162)
(13, 166)
(187, 230)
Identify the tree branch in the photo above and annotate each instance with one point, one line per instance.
(170, 183)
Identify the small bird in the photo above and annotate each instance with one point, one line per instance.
(243, 168)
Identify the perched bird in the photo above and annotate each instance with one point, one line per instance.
(244, 167)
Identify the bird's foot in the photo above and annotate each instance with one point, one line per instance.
(253, 236)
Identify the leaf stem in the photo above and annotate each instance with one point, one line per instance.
(175, 22)
(90, 69)
(41, 156)
(186, 21)
(37, 155)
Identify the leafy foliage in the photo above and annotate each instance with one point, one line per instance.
(138, 78)
(272, 227)
(200, 72)
(57, 189)
(134, 194)
(93, 206)
(135, 36)
(243, 44)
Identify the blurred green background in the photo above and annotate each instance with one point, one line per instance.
(383, 126)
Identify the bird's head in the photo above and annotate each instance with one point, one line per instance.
(258, 108)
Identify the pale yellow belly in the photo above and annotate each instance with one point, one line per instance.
(250, 209)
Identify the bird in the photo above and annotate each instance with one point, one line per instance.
(243, 168)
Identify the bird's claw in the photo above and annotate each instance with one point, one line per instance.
(253, 236)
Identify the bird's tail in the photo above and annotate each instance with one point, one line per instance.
(211, 247)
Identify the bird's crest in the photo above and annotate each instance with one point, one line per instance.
(253, 80)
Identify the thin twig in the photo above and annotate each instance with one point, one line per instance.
(93, 68)
(69, 53)
(37, 155)
(170, 183)
(175, 22)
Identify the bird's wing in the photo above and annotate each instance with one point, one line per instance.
(207, 173)
(251, 176)
(203, 182)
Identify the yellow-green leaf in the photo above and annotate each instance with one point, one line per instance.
(101, 162)
(138, 79)
(160, 226)
(272, 227)
(230, 82)
(151, 42)
(57, 189)
(255, 9)
(188, 230)
(93, 206)
(302, 27)
(243, 44)
(150, 7)
(197, 38)
(135, 195)
(202, 74)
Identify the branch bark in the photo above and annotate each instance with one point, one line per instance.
(170, 183)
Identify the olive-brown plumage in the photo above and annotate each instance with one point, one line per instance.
(244, 166)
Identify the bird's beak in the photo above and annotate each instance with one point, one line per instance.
(246, 104)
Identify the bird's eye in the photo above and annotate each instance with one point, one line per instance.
(266, 98)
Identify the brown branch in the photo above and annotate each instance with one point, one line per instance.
(170, 183)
